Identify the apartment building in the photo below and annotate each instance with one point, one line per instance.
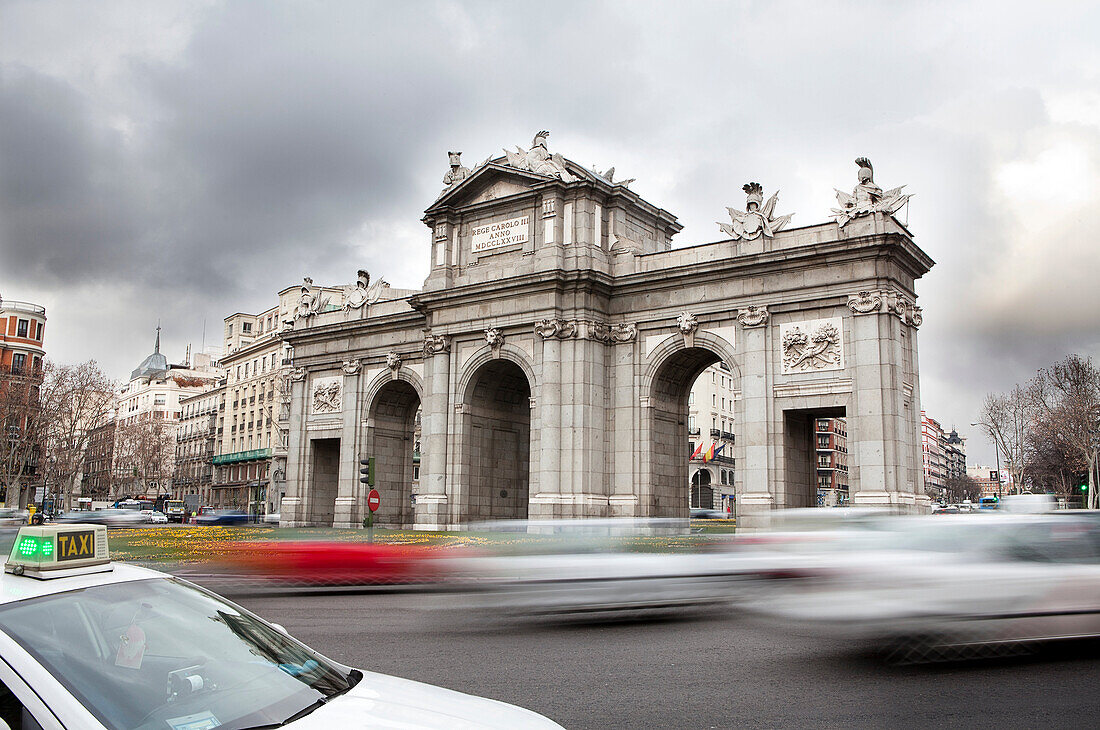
(711, 439)
(831, 448)
(196, 441)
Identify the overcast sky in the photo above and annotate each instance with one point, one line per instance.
(183, 161)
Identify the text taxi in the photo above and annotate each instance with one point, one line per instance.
(87, 643)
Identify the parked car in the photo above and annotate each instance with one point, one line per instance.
(223, 517)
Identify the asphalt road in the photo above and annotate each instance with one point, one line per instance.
(715, 671)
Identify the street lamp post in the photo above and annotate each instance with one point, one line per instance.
(997, 454)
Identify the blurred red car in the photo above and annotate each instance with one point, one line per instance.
(337, 563)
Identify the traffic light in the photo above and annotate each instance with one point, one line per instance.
(366, 471)
(1084, 487)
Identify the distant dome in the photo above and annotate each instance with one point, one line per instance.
(155, 365)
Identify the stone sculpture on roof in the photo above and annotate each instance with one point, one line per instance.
(867, 197)
(363, 292)
(539, 160)
(457, 173)
(755, 221)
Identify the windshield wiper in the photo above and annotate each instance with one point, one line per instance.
(353, 679)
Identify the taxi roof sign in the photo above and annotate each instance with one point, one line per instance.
(57, 551)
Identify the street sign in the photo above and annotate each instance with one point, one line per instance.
(374, 500)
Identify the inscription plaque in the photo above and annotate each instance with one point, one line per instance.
(497, 235)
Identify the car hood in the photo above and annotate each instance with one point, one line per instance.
(382, 701)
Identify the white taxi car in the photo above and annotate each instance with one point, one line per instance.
(87, 643)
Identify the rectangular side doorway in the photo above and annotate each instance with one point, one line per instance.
(815, 458)
(324, 485)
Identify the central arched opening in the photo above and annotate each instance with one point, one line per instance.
(392, 441)
(676, 435)
(498, 437)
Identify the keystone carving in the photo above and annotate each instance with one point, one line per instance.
(351, 367)
(494, 337)
(687, 323)
(753, 316)
(560, 328)
(393, 362)
(436, 344)
(865, 302)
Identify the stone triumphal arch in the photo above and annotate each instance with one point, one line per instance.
(550, 354)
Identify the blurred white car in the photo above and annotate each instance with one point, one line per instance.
(89, 644)
(13, 516)
(154, 517)
(929, 583)
(272, 518)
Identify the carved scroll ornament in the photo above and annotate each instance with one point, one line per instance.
(351, 367)
(436, 344)
(559, 328)
(753, 316)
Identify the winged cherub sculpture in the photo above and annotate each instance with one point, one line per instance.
(867, 197)
(756, 221)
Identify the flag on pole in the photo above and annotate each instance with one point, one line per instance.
(698, 451)
(709, 455)
(718, 451)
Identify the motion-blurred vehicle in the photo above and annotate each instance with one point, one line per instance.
(108, 517)
(272, 518)
(925, 586)
(153, 517)
(223, 517)
(13, 516)
(988, 503)
(702, 513)
(599, 568)
(322, 563)
(91, 644)
(945, 509)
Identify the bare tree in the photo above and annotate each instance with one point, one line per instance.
(961, 488)
(1008, 418)
(1067, 398)
(71, 398)
(145, 451)
(21, 434)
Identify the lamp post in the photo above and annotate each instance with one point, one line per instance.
(997, 454)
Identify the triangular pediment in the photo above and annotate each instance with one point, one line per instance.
(488, 182)
(496, 179)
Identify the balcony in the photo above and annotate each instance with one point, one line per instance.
(11, 306)
(727, 436)
(693, 432)
(715, 433)
(238, 456)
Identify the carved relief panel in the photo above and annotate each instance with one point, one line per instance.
(812, 346)
(326, 395)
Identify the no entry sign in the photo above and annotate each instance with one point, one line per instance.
(374, 500)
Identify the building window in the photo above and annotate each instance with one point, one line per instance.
(38, 332)
(18, 362)
(229, 330)
(691, 422)
(713, 399)
(246, 328)
(21, 331)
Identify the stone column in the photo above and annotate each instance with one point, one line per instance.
(755, 432)
(349, 501)
(629, 425)
(547, 502)
(872, 429)
(295, 505)
(432, 511)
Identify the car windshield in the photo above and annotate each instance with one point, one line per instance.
(158, 653)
